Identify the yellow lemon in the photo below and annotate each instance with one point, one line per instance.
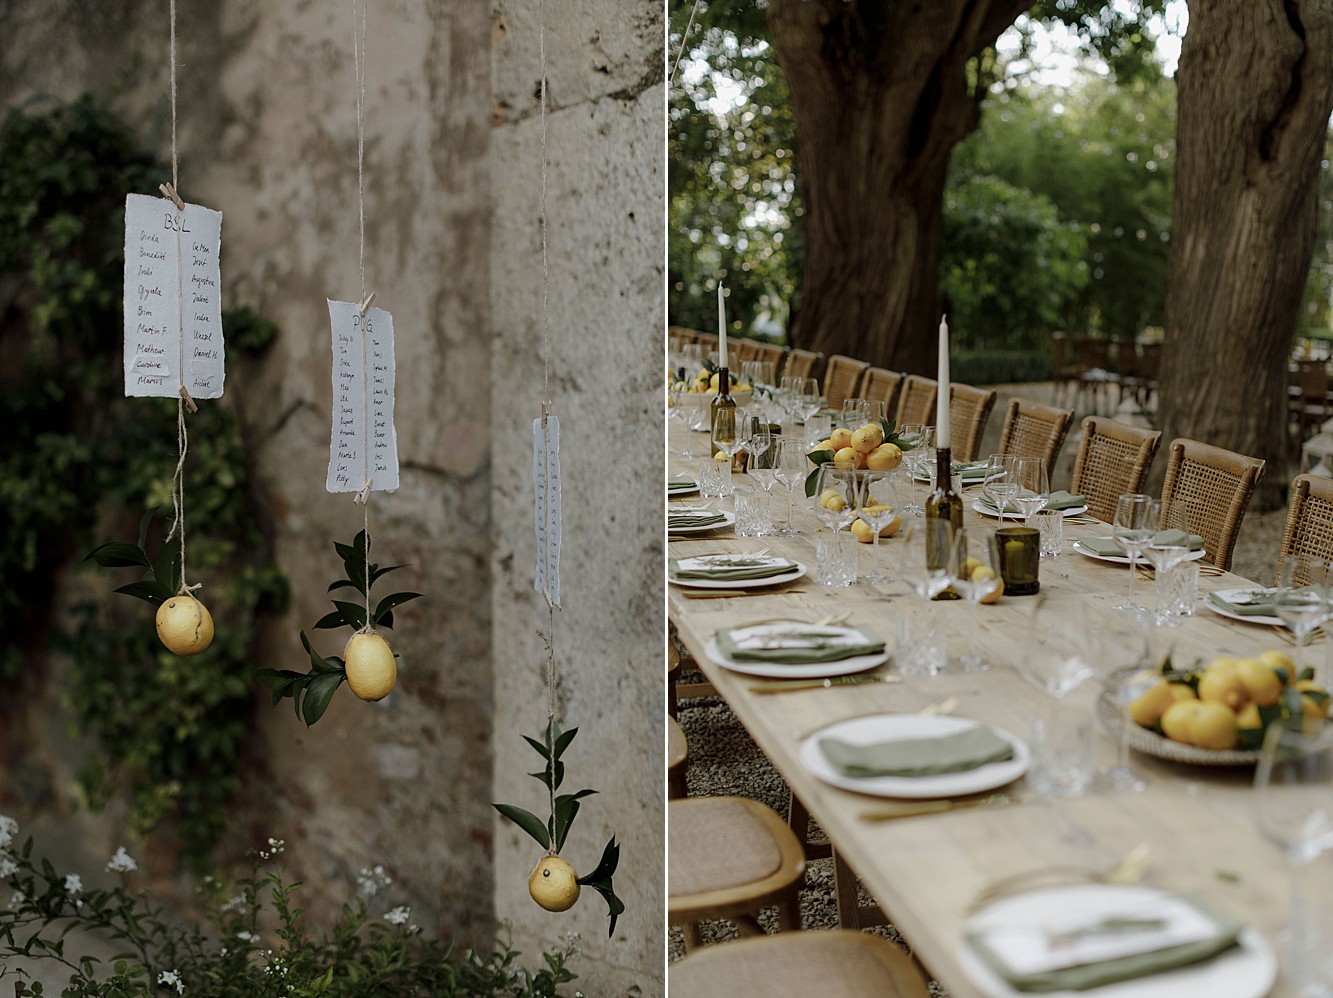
(1148, 709)
(863, 531)
(1275, 660)
(885, 457)
(892, 527)
(840, 438)
(830, 499)
(553, 884)
(1182, 691)
(986, 572)
(867, 438)
(1313, 706)
(1261, 683)
(847, 459)
(1213, 726)
(1221, 683)
(1249, 719)
(184, 625)
(822, 445)
(1177, 720)
(368, 661)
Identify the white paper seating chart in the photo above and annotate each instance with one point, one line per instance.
(363, 448)
(173, 301)
(546, 478)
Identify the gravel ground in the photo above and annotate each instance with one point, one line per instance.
(723, 759)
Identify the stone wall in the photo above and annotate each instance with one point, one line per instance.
(267, 135)
(606, 182)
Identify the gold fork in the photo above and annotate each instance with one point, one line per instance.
(946, 706)
(1129, 869)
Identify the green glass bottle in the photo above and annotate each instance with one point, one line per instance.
(944, 513)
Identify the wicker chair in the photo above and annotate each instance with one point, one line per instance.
(882, 384)
(727, 857)
(841, 378)
(837, 962)
(916, 402)
(1218, 484)
(969, 409)
(1034, 430)
(689, 335)
(741, 350)
(1309, 527)
(677, 752)
(1113, 460)
(771, 352)
(801, 364)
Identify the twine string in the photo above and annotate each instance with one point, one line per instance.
(684, 37)
(359, 63)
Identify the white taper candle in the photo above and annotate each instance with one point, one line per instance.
(721, 328)
(942, 399)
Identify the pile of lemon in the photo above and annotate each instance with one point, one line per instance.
(853, 450)
(705, 383)
(1229, 702)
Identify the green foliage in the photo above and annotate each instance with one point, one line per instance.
(1003, 367)
(312, 691)
(257, 944)
(168, 733)
(551, 834)
(1010, 264)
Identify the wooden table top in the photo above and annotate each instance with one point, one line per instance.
(923, 871)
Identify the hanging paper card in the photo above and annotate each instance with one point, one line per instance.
(173, 302)
(546, 478)
(364, 444)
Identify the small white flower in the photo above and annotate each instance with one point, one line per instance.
(172, 978)
(399, 915)
(370, 881)
(274, 848)
(8, 829)
(16, 901)
(7, 867)
(73, 883)
(247, 937)
(235, 902)
(121, 862)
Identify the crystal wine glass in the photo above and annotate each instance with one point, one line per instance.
(974, 578)
(1133, 528)
(1033, 486)
(835, 499)
(920, 459)
(999, 485)
(924, 559)
(1302, 602)
(808, 399)
(878, 508)
(790, 469)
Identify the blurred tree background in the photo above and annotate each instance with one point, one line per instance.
(1057, 213)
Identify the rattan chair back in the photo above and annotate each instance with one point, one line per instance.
(1032, 429)
(740, 350)
(879, 383)
(801, 363)
(1217, 483)
(969, 410)
(841, 378)
(1113, 460)
(1309, 529)
(770, 352)
(916, 401)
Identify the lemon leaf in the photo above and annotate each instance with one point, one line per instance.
(376, 571)
(330, 621)
(151, 591)
(566, 808)
(167, 565)
(143, 526)
(319, 691)
(342, 584)
(353, 614)
(392, 600)
(118, 554)
(562, 741)
(527, 821)
(606, 866)
(277, 678)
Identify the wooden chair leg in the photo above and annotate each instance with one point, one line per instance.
(748, 925)
(690, 930)
(798, 820)
(844, 889)
(789, 912)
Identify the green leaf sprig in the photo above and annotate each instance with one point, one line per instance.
(551, 834)
(819, 457)
(161, 581)
(312, 691)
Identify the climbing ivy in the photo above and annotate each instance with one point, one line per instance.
(168, 732)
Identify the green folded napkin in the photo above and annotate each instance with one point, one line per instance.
(693, 518)
(797, 647)
(970, 748)
(681, 483)
(1085, 976)
(1262, 603)
(1059, 499)
(738, 567)
(1108, 548)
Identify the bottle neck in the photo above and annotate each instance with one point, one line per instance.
(723, 381)
(943, 469)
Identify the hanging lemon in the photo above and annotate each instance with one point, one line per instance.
(368, 661)
(553, 884)
(184, 624)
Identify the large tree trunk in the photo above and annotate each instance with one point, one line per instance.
(881, 93)
(1255, 89)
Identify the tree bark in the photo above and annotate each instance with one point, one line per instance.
(882, 94)
(1255, 89)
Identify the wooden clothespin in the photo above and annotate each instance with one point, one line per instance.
(363, 496)
(170, 192)
(546, 410)
(189, 402)
(366, 304)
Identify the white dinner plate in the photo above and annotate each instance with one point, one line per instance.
(803, 670)
(1246, 971)
(773, 580)
(882, 727)
(1263, 618)
(727, 521)
(1123, 559)
(987, 511)
(682, 490)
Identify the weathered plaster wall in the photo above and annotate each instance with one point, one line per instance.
(267, 135)
(606, 182)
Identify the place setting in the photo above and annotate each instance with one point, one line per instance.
(697, 519)
(733, 571)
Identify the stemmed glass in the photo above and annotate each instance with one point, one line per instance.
(1032, 485)
(756, 438)
(1302, 600)
(922, 440)
(1293, 803)
(924, 560)
(836, 497)
(878, 508)
(1176, 515)
(974, 578)
(682, 411)
(761, 469)
(873, 411)
(1133, 528)
(790, 468)
(999, 485)
(807, 398)
(853, 413)
(728, 436)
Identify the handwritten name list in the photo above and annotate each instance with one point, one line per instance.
(364, 444)
(173, 301)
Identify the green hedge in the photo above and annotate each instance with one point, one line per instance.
(1002, 367)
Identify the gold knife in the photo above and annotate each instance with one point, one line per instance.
(937, 807)
(793, 685)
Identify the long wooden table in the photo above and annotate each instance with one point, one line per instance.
(923, 871)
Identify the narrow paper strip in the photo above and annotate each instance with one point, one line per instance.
(546, 479)
(363, 445)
